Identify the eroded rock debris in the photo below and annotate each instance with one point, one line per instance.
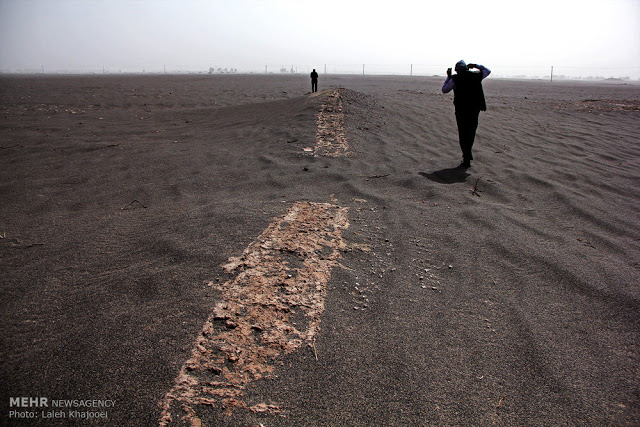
(608, 105)
(331, 140)
(272, 307)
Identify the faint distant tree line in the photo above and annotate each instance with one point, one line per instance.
(213, 70)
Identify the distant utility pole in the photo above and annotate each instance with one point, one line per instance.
(325, 68)
(411, 72)
(266, 71)
(363, 69)
(552, 74)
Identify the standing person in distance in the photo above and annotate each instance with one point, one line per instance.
(468, 98)
(314, 81)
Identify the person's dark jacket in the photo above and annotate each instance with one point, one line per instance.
(468, 93)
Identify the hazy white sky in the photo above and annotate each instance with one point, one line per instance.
(81, 34)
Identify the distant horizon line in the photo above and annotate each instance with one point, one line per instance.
(32, 72)
(510, 71)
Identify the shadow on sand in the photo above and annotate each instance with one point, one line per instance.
(447, 176)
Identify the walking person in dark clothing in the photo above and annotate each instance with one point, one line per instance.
(468, 98)
(314, 81)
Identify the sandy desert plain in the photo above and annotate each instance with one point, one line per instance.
(233, 250)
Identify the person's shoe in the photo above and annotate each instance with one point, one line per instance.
(465, 164)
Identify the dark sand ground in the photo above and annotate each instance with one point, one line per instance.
(514, 304)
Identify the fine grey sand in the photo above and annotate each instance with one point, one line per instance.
(507, 293)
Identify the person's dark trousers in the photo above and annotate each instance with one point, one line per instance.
(314, 86)
(467, 121)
